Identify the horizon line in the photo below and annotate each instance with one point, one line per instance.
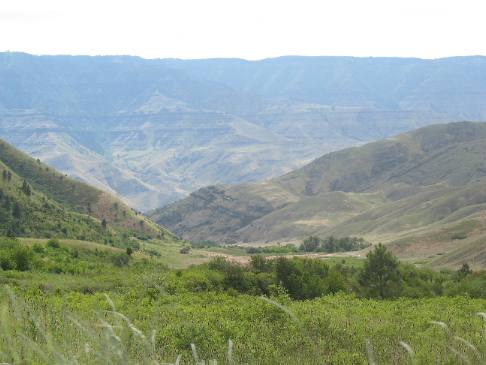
(239, 58)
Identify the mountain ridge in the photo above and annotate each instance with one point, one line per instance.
(152, 131)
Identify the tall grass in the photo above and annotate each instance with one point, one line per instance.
(28, 336)
(33, 334)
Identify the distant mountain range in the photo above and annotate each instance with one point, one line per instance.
(38, 201)
(152, 131)
(423, 191)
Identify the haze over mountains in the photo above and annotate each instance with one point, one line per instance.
(422, 190)
(152, 131)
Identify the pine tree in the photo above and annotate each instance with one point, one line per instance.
(26, 188)
(464, 271)
(16, 212)
(380, 276)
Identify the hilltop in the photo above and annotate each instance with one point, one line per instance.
(153, 131)
(38, 201)
(424, 190)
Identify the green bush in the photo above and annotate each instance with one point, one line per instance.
(185, 250)
(53, 243)
(14, 256)
(459, 236)
(120, 260)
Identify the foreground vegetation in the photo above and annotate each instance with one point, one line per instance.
(334, 329)
(96, 304)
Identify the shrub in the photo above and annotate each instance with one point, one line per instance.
(22, 256)
(153, 253)
(459, 236)
(6, 262)
(38, 248)
(185, 250)
(16, 257)
(53, 243)
(120, 260)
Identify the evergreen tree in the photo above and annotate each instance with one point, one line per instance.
(26, 188)
(464, 271)
(380, 276)
(16, 212)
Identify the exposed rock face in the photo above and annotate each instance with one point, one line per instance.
(153, 131)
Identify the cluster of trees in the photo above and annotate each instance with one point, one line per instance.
(285, 249)
(381, 275)
(204, 244)
(333, 244)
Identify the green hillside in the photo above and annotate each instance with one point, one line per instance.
(37, 201)
(413, 185)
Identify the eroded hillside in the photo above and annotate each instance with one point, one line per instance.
(412, 188)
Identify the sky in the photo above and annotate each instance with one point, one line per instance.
(250, 29)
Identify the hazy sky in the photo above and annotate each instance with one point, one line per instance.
(251, 29)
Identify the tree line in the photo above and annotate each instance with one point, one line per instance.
(381, 275)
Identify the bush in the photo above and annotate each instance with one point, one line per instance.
(120, 260)
(459, 236)
(53, 243)
(185, 250)
(6, 262)
(38, 248)
(16, 257)
(22, 257)
(152, 253)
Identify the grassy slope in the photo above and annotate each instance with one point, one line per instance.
(59, 205)
(412, 185)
